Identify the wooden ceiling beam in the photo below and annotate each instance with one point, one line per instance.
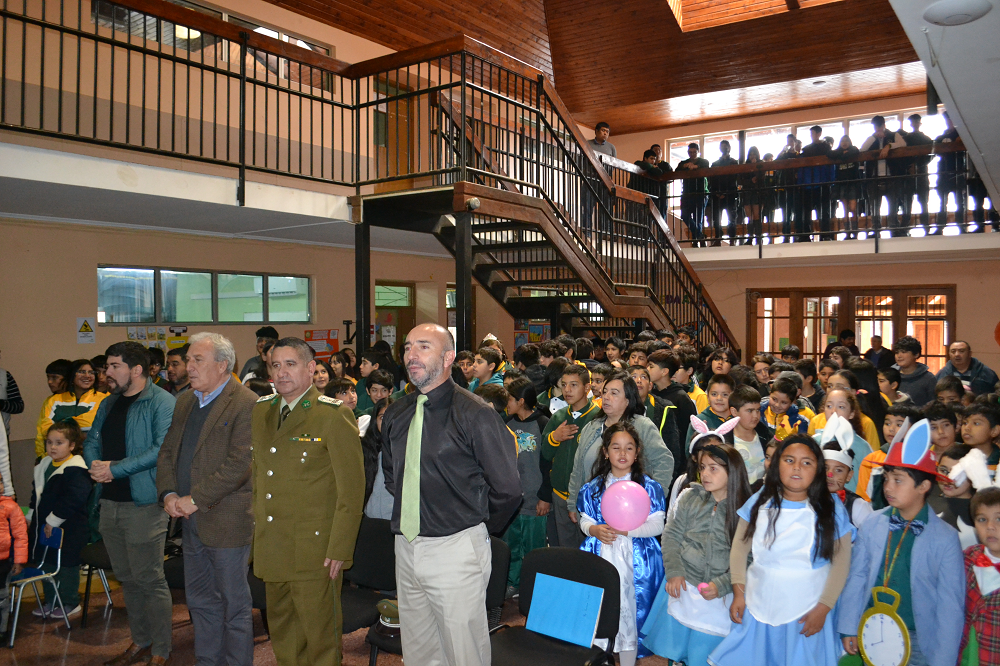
(792, 5)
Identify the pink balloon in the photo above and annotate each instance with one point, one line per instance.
(625, 505)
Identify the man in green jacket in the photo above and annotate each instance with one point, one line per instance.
(560, 439)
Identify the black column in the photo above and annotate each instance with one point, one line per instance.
(463, 281)
(362, 283)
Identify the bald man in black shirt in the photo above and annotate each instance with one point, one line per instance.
(465, 487)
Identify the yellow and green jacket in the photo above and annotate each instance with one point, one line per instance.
(562, 453)
(63, 406)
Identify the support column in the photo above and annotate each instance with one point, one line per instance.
(463, 281)
(555, 321)
(362, 282)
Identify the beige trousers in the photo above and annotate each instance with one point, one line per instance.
(441, 584)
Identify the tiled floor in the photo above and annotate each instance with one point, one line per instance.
(51, 644)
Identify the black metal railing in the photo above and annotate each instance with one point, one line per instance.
(807, 199)
(155, 77)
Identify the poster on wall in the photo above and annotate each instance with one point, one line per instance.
(324, 341)
(535, 333)
(389, 335)
(177, 341)
(520, 338)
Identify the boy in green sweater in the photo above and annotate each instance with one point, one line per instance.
(720, 387)
(560, 439)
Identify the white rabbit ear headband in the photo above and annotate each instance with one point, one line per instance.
(972, 467)
(703, 430)
(838, 430)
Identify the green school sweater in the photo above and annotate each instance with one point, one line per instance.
(562, 453)
(708, 416)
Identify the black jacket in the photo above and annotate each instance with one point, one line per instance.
(65, 497)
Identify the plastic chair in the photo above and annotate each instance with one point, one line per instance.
(496, 589)
(518, 645)
(95, 556)
(34, 575)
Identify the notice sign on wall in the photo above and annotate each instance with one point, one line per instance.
(86, 330)
(324, 341)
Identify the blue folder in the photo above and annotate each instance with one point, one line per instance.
(565, 609)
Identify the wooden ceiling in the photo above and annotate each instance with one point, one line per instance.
(516, 27)
(630, 59)
(881, 82)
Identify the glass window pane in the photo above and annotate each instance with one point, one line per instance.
(186, 297)
(836, 130)
(772, 324)
(125, 295)
(450, 297)
(288, 299)
(241, 298)
(770, 140)
(873, 316)
(711, 151)
(390, 296)
(820, 323)
(926, 321)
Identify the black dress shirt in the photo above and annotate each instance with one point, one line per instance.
(468, 462)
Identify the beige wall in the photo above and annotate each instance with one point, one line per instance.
(977, 284)
(51, 279)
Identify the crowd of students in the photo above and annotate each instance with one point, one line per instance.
(837, 476)
(802, 193)
(816, 469)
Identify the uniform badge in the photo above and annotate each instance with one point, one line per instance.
(265, 398)
(306, 404)
(330, 401)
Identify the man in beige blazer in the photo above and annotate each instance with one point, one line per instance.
(203, 478)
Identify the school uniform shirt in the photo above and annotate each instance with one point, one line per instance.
(981, 634)
(698, 396)
(563, 453)
(64, 406)
(936, 573)
(711, 418)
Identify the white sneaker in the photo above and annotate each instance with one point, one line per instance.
(57, 613)
(42, 610)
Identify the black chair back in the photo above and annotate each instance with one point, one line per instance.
(582, 567)
(496, 588)
(374, 556)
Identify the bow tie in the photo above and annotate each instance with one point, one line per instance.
(896, 523)
(842, 494)
(981, 560)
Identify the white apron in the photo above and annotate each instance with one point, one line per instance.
(782, 585)
(694, 612)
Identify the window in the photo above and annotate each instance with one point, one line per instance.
(712, 152)
(772, 324)
(288, 298)
(393, 296)
(125, 296)
(812, 318)
(927, 321)
(240, 298)
(160, 295)
(836, 130)
(186, 297)
(770, 140)
(819, 319)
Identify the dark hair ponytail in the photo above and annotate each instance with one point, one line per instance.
(819, 498)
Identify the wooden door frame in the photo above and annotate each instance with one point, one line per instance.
(847, 311)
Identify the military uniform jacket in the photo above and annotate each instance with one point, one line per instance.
(308, 487)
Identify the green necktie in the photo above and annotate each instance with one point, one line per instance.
(409, 509)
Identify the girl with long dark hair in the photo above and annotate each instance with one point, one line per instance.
(800, 538)
(690, 615)
(636, 553)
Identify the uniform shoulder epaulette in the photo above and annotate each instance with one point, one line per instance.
(330, 401)
(266, 398)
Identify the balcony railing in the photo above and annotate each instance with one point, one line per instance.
(151, 76)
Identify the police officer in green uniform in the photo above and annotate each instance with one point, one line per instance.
(308, 498)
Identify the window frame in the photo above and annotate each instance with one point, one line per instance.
(265, 307)
(847, 311)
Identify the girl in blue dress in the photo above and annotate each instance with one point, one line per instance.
(784, 604)
(636, 554)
